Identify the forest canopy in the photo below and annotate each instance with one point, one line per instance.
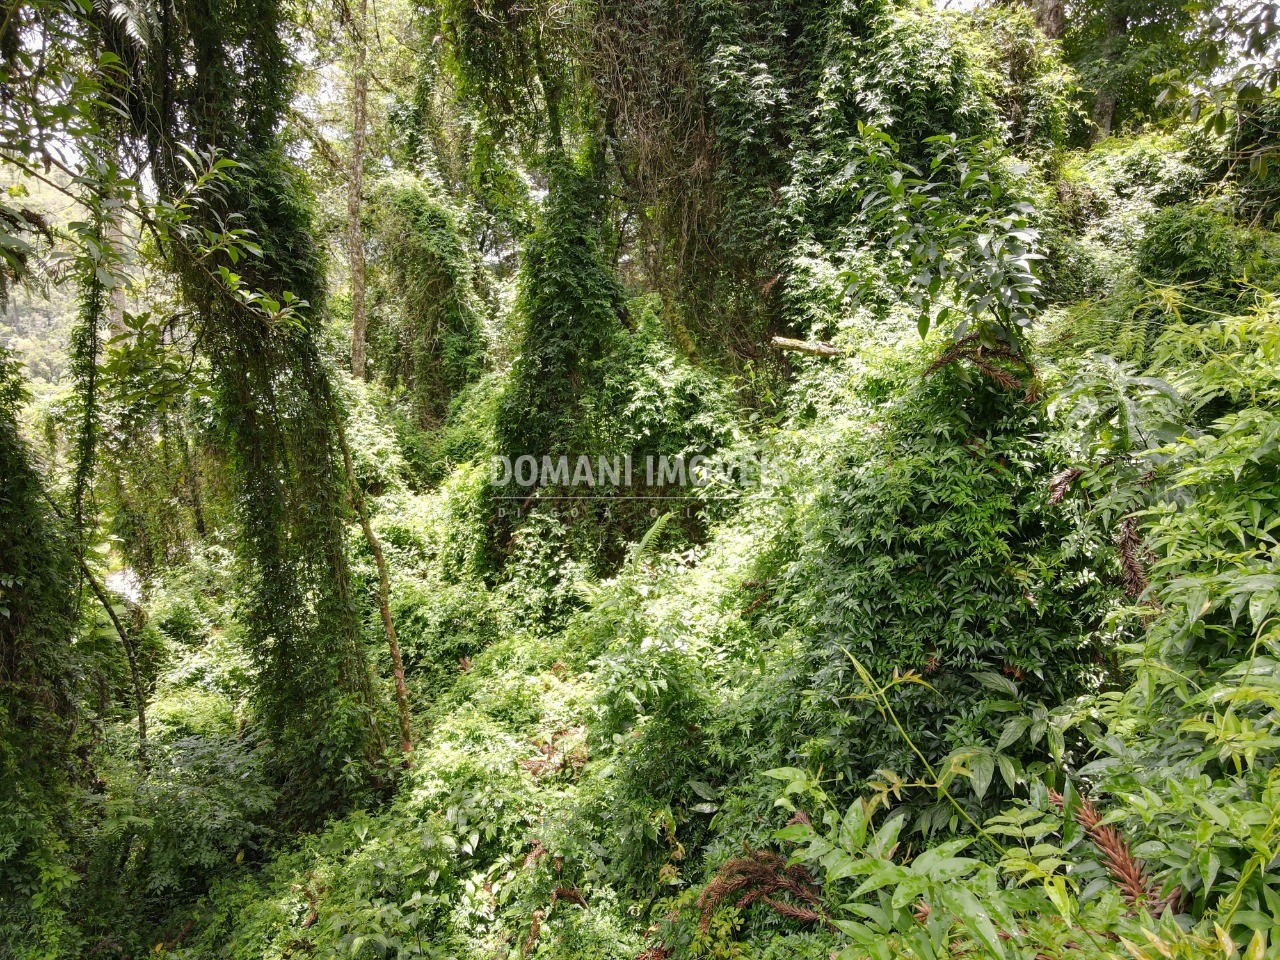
(775, 480)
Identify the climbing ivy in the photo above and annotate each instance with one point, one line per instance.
(257, 319)
(428, 326)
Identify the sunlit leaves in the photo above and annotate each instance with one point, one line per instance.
(965, 243)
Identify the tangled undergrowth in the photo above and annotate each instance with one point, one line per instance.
(958, 634)
(595, 755)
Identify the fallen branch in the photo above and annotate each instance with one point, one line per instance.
(384, 586)
(814, 348)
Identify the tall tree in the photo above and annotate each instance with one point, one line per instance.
(355, 183)
(1104, 105)
(257, 318)
(38, 703)
(1118, 46)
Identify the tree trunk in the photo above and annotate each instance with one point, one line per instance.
(115, 238)
(1104, 107)
(1104, 111)
(1051, 17)
(355, 182)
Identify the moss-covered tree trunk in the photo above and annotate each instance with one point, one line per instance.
(218, 82)
(355, 186)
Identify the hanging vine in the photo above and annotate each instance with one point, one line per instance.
(273, 419)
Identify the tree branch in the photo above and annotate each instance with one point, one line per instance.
(815, 348)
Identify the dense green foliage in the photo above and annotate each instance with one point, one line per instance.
(570, 303)
(948, 627)
(36, 595)
(432, 336)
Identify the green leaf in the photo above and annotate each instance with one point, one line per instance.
(973, 916)
(980, 772)
(1013, 730)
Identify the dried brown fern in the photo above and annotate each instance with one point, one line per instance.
(999, 375)
(534, 929)
(1060, 484)
(1131, 559)
(982, 356)
(803, 914)
(553, 758)
(536, 852)
(946, 358)
(756, 876)
(568, 895)
(1127, 871)
(799, 817)
(313, 898)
